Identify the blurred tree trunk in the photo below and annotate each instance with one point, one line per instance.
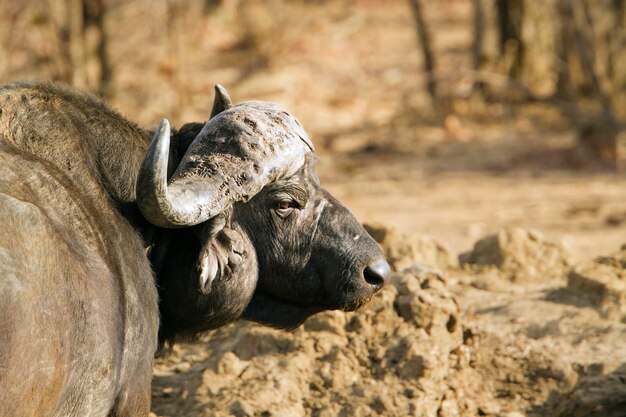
(10, 17)
(176, 54)
(82, 59)
(94, 18)
(616, 40)
(76, 14)
(583, 34)
(208, 6)
(477, 44)
(511, 46)
(60, 26)
(578, 73)
(563, 44)
(423, 37)
(589, 51)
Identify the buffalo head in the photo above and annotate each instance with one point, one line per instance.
(245, 208)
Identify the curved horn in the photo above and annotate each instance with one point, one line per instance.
(221, 101)
(160, 204)
(152, 194)
(231, 159)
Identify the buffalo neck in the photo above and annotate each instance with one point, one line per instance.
(96, 148)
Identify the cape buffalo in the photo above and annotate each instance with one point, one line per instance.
(111, 243)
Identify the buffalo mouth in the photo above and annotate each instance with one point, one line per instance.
(284, 314)
(356, 304)
(275, 312)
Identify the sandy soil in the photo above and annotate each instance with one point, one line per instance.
(582, 212)
(521, 336)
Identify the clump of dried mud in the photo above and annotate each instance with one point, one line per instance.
(434, 343)
(520, 255)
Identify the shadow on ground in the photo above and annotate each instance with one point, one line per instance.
(593, 396)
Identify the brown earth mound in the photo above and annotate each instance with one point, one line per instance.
(600, 396)
(402, 355)
(603, 283)
(431, 344)
(402, 251)
(520, 255)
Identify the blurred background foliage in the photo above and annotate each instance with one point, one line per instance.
(447, 117)
(344, 65)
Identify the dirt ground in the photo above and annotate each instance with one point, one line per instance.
(518, 328)
(509, 291)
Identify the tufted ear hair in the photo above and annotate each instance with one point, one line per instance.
(222, 250)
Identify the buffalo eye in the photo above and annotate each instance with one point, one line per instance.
(285, 207)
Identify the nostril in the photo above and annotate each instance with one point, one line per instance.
(377, 274)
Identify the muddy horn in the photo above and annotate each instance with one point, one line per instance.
(233, 157)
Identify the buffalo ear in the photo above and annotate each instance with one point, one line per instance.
(185, 135)
(222, 250)
(221, 101)
(179, 143)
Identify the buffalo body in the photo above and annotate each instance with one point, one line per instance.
(112, 243)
